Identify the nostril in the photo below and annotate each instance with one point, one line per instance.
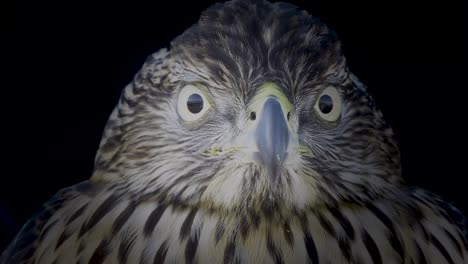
(289, 115)
(253, 115)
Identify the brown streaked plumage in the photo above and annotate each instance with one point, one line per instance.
(249, 141)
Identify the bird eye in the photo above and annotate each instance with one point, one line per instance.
(328, 105)
(195, 103)
(192, 103)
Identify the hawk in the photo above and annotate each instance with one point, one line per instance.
(248, 141)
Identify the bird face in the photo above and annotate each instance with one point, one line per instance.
(253, 107)
(260, 147)
(266, 141)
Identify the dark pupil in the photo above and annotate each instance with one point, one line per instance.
(195, 103)
(325, 104)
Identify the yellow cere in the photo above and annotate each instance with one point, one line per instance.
(266, 90)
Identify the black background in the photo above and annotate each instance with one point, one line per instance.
(68, 63)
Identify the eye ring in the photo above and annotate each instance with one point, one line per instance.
(329, 104)
(192, 103)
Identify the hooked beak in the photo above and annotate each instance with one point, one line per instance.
(268, 137)
(272, 135)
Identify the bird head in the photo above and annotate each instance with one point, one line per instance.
(252, 107)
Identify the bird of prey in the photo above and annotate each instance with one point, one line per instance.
(248, 141)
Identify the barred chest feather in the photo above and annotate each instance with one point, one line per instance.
(110, 228)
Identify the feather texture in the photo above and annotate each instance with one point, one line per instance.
(169, 191)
